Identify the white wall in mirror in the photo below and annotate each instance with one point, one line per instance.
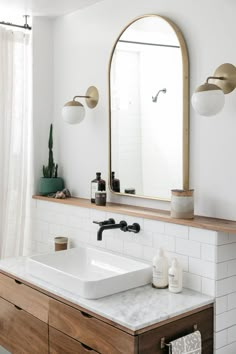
(146, 136)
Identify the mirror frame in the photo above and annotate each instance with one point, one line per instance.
(185, 69)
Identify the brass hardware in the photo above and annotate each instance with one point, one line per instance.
(164, 344)
(223, 79)
(185, 105)
(91, 97)
(228, 73)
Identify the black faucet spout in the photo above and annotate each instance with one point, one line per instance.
(102, 228)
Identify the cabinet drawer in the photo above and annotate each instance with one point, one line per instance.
(20, 332)
(94, 333)
(25, 297)
(60, 343)
(150, 342)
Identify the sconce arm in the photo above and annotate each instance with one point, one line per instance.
(215, 78)
(80, 97)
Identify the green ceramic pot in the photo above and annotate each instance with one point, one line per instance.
(50, 185)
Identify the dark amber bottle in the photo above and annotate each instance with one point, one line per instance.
(115, 183)
(97, 184)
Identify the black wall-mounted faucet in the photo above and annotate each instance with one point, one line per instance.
(110, 225)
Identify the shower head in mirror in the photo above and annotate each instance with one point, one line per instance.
(154, 98)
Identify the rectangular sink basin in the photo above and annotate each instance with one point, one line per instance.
(89, 272)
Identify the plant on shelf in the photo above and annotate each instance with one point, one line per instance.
(50, 182)
(50, 171)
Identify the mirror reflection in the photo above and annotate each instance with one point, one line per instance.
(148, 115)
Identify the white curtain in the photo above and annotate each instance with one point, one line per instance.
(15, 142)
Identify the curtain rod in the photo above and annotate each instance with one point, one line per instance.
(152, 44)
(25, 26)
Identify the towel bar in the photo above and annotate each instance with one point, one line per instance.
(164, 344)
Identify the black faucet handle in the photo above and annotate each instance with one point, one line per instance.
(105, 222)
(134, 228)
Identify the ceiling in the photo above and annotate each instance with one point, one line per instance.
(41, 7)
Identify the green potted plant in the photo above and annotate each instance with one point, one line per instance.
(50, 182)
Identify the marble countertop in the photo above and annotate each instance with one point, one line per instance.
(134, 309)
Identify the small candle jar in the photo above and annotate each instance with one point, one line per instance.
(100, 198)
(61, 243)
(182, 204)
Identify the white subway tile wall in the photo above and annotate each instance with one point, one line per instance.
(208, 257)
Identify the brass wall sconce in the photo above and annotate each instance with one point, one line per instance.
(209, 99)
(73, 111)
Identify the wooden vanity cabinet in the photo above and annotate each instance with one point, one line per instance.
(60, 343)
(149, 342)
(21, 332)
(33, 321)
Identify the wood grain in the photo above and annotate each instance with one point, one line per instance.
(96, 334)
(25, 297)
(20, 332)
(201, 222)
(149, 342)
(59, 343)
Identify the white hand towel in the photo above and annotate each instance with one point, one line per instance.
(190, 344)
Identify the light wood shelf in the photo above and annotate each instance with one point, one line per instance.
(201, 222)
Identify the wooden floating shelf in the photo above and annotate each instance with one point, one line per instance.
(201, 222)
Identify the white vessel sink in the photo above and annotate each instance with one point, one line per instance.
(89, 272)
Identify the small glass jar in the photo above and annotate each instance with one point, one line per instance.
(61, 243)
(182, 204)
(100, 198)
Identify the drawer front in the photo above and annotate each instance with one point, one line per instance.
(25, 297)
(94, 333)
(20, 332)
(60, 343)
(150, 342)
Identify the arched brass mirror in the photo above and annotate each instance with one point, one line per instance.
(148, 105)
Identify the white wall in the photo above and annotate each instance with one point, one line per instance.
(82, 45)
(42, 90)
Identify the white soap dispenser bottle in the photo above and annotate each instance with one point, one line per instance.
(160, 270)
(175, 276)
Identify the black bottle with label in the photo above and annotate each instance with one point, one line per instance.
(97, 184)
(115, 183)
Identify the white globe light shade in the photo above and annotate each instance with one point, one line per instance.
(208, 102)
(73, 112)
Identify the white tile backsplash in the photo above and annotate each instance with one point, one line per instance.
(165, 241)
(225, 320)
(192, 281)
(221, 304)
(153, 226)
(188, 248)
(177, 230)
(221, 339)
(201, 267)
(225, 286)
(231, 301)
(208, 252)
(208, 286)
(231, 268)
(231, 334)
(203, 236)
(208, 257)
(226, 252)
